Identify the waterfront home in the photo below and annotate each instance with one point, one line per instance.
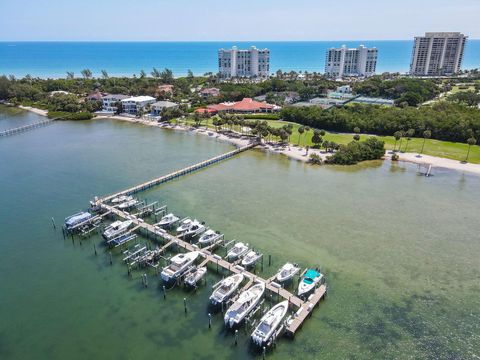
(163, 90)
(110, 102)
(210, 92)
(160, 105)
(133, 105)
(247, 105)
(95, 96)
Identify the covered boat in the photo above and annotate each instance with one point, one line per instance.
(311, 278)
(178, 265)
(238, 250)
(121, 199)
(287, 272)
(77, 219)
(128, 204)
(208, 237)
(116, 228)
(168, 220)
(245, 303)
(226, 288)
(269, 323)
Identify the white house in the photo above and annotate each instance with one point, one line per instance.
(160, 105)
(133, 104)
(111, 101)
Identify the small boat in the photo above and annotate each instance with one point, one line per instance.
(168, 220)
(269, 323)
(76, 219)
(226, 288)
(121, 199)
(208, 237)
(116, 228)
(178, 265)
(238, 250)
(128, 204)
(184, 225)
(311, 278)
(287, 272)
(195, 228)
(251, 258)
(195, 276)
(245, 303)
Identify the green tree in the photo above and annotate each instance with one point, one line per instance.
(409, 134)
(105, 74)
(155, 73)
(397, 135)
(356, 137)
(70, 75)
(427, 134)
(86, 73)
(317, 138)
(301, 130)
(307, 130)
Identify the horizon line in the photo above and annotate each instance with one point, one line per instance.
(201, 41)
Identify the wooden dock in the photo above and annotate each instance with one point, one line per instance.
(304, 308)
(21, 129)
(178, 173)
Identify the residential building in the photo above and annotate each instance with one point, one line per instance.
(437, 54)
(95, 96)
(210, 92)
(110, 102)
(252, 63)
(160, 105)
(247, 105)
(133, 105)
(341, 62)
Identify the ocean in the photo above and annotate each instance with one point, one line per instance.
(54, 59)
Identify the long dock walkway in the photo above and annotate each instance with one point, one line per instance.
(178, 173)
(304, 307)
(26, 128)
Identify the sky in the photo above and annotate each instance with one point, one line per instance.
(210, 20)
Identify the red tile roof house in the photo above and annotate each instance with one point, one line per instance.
(247, 105)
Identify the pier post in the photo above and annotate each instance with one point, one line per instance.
(145, 282)
(236, 337)
(264, 352)
(95, 249)
(53, 223)
(164, 292)
(209, 320)
(110, 255)
(185, 304)
(269, 260)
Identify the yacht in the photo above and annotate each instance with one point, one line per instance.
(178, 265)
(168, 220)
(238, 250)
(116, 228)
(226, 288)
(208, 237)
(195, 228)
(287, 272)
(76, 219)
(311, 278)
(195, 276)
(269, 323)
(121, 199)
(251, 258)
(184, 225)
(245, 303)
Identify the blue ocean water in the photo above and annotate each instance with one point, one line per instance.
(54, 59)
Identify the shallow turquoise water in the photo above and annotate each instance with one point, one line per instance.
(400, 251)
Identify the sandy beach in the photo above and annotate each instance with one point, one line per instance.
(34, 110)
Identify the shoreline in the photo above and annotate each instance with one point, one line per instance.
(293, 151)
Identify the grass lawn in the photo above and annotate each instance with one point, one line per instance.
(445, 149)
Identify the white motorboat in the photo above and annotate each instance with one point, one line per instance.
(116, 228)
(121, 199)
(226, 288)
(77, 219)
(269, 323)
(128, 204)
(195, 228)
(168, 220)
(178, 265)
(251, 258)
(184, 225)
(238, 250)
(195, 276)
(208, 237)
(287, 272)
(311, 278)
(245, 303)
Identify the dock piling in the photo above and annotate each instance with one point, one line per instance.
(236, 337)
(185, 304)
(164, 292)
(95, 249)
(53, 223)
(209, 320)
(269, 260)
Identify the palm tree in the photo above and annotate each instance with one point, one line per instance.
(471, 141)
(300, 130)
(86, 73)
(70, 75)
(307, 129)
(155, 73)
(397, 135)
(410, 134)
(427, 134)
(105, 74)
(142, 74)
